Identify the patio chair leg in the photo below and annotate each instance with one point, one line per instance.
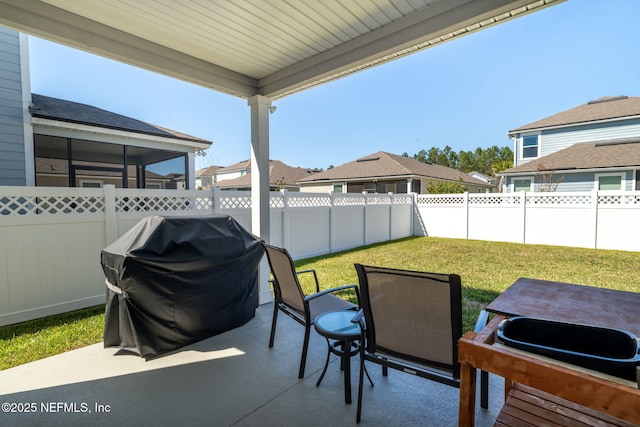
(360, 384)
(385, 371)
(324, 370)
(367, 372)
(484, 389)
(303, 360)
(273, 324)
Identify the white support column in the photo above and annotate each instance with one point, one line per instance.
(260, 183)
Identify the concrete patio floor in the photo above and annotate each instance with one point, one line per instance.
(232, 379)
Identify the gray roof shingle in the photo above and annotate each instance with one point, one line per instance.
(587, 155)
(608, 107)
(278, 173)
(387, 165)
(68, 111)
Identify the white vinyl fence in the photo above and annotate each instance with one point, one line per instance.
(597, 219)
(51, 238)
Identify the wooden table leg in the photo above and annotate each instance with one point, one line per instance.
(466, 416)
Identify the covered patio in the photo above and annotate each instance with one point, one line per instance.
(261, 52)
(232, 379)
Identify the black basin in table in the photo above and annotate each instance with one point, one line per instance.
(611, 351)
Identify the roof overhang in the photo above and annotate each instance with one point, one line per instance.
(386, 178)
(613, 169)
(267, 48)
(513, 133)
(114, 136)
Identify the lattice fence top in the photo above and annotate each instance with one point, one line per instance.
(401, 198)
(301, 200)
(276, 202)
(493, 199)
(618, 199)
(348, 200)
(557, 199)
(378, 199)
(57, 201)
(162, 203)
(444, 199)
(50, 205)
(231, 201)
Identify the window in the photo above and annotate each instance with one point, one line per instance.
(337, 188)
(522, 184)
(90, 184)
(610, 182)
(529, 146)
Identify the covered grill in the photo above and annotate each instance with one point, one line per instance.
(174, 281)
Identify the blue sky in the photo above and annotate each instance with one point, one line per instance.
(466, 93)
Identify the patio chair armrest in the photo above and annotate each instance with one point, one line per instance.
(315, 277)
(481, 322)
(330, 291)
(358, 316)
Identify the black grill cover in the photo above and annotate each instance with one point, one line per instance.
(174, 281)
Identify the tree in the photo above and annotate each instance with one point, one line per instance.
(488, 161)
(446, 187)
(545, 179)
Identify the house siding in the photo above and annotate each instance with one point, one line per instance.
(580, 181)
(559, 139)
(556, 139)
(12, 139)
(314, 188)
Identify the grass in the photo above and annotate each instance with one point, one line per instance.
(486, 268)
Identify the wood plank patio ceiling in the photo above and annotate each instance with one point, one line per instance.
(269, 47)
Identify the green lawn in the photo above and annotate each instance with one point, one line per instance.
(486, 268)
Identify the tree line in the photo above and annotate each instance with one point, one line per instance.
(488, 161)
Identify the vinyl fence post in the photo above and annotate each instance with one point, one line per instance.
(215, 199)
(523, 209)
(414, 214)
(364, 219)
(332, 218)
(594, 217)
(286, 222)
(111, 218)
(390, 216)
(466, 215)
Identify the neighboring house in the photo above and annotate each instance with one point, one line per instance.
(485, 178)
(206, 177)
(383, 172)
(108, 147)
(281, 176)
(592, 146)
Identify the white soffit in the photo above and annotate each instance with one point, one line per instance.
(247, 47)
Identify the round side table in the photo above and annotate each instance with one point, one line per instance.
(337, 326)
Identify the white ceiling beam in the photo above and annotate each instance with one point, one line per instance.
(445, 19)
(52, 23)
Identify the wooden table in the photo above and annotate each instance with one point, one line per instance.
(561, 302)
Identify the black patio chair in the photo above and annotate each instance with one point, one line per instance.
(411, 321)
(291, 300)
